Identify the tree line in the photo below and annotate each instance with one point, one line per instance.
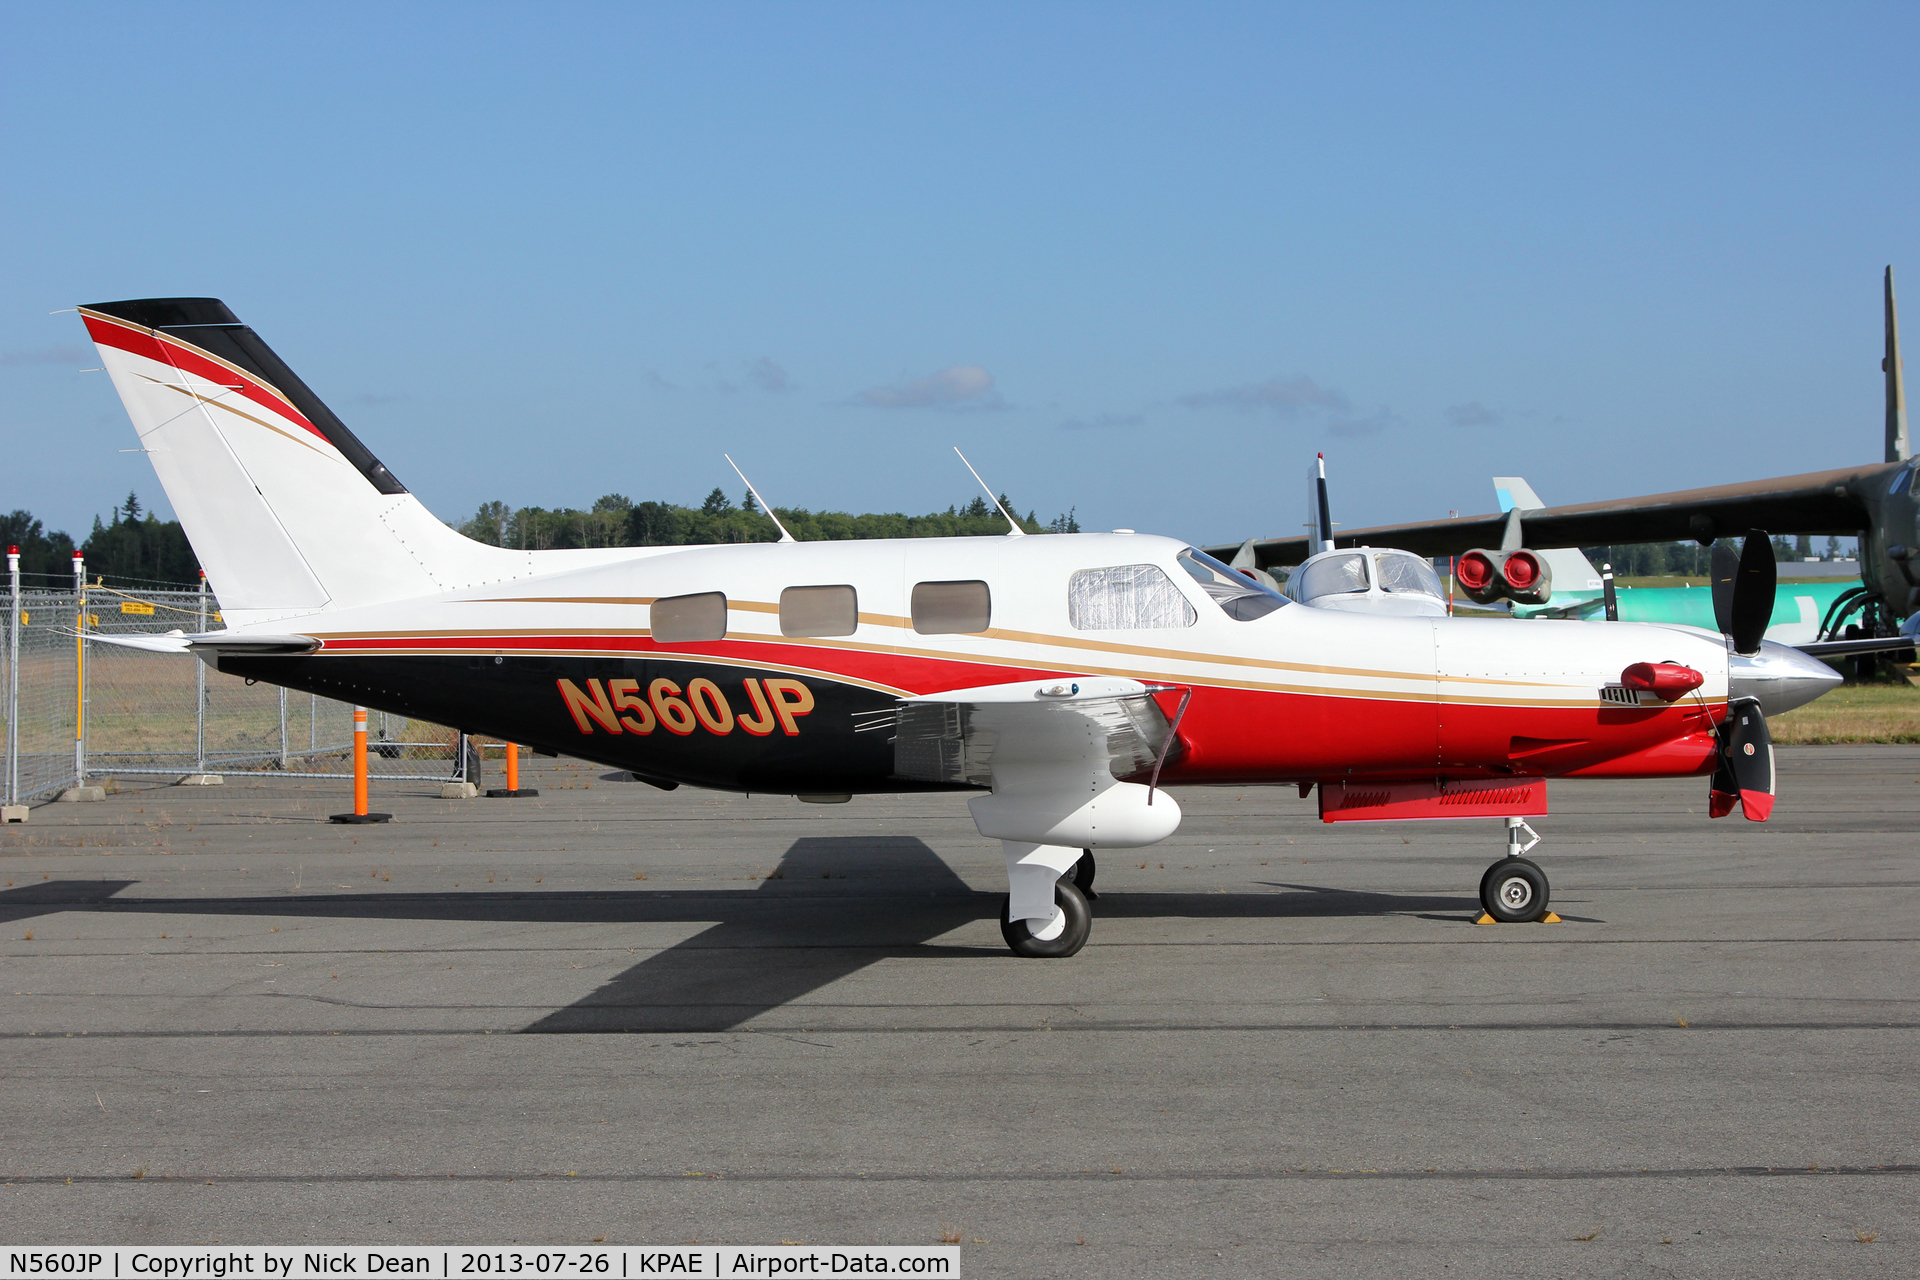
(615, 520)
(1691, 560)
(133, 548)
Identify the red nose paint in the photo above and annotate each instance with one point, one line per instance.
(1666, 681)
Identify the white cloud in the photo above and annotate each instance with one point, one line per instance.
(1283, 397)
(1364, 424)
(768, 376)
(958, 386)
(1102, 421)
(46, 355)
(1472, 414)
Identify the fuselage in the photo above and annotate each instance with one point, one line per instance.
(570, 662)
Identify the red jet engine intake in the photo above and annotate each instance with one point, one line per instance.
(1667, 681)
(1520, 575)
(1475, 573)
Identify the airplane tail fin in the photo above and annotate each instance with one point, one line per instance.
(286, 509)
(1569, 566)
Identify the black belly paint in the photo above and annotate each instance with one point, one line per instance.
(520, 699)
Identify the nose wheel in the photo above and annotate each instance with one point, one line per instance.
(1053, 939)
(1515, 889)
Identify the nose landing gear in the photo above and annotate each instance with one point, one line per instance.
(1053, 939)
(1514, 889)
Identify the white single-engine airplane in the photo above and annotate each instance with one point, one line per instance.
(1064, 680)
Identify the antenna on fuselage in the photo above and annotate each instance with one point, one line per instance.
(784, 535)
(1013, 526)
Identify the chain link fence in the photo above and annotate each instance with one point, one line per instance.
(78, 708)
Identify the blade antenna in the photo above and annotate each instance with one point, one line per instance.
(1013, 526)
(784, 535)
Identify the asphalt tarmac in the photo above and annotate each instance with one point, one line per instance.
(616, 1013)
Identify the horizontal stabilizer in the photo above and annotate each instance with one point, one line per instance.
(211, 643)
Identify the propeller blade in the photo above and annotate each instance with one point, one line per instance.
(1726, 570)
(1751, 607)
(1745, 768)
(1724, 791)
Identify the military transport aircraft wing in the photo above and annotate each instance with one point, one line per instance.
(1836, 502)
(1874, 501)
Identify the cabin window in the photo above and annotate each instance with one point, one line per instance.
(951, 608)
(1407, 575)
(686, 619)
(1334, 576)
(1241, 597)
(819, 611)
(1126, 597)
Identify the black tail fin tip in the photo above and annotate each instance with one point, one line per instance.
(210, 324)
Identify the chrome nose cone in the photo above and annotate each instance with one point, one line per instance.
(1780, 676)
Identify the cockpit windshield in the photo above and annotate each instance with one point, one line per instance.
(1242, 598)
(1407, 574)
(1335, 575)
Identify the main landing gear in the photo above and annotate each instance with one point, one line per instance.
(1065, 930)
(1514, 889)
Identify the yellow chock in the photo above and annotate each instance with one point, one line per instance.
(1486, 919)
(1549, 918)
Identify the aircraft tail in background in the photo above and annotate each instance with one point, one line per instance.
(1571, 569)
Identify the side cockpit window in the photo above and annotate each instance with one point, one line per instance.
(1407, 575)
(689, 619)
(951, 608)
(1126, 597)
(819, 611)
(1242, 598)
(1335, 575)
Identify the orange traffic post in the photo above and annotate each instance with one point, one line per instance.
(360, 813)
(512, 790)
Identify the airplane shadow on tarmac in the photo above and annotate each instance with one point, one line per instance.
(833, 906)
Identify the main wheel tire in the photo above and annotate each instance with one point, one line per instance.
(1514, 890)
(1083, 872)
(1073, 933)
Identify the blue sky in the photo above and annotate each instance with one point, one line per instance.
(1140, 260)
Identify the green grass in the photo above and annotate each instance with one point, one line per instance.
(1854, 713)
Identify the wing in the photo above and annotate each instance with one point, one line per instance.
(957, 736)
(1820, 502)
